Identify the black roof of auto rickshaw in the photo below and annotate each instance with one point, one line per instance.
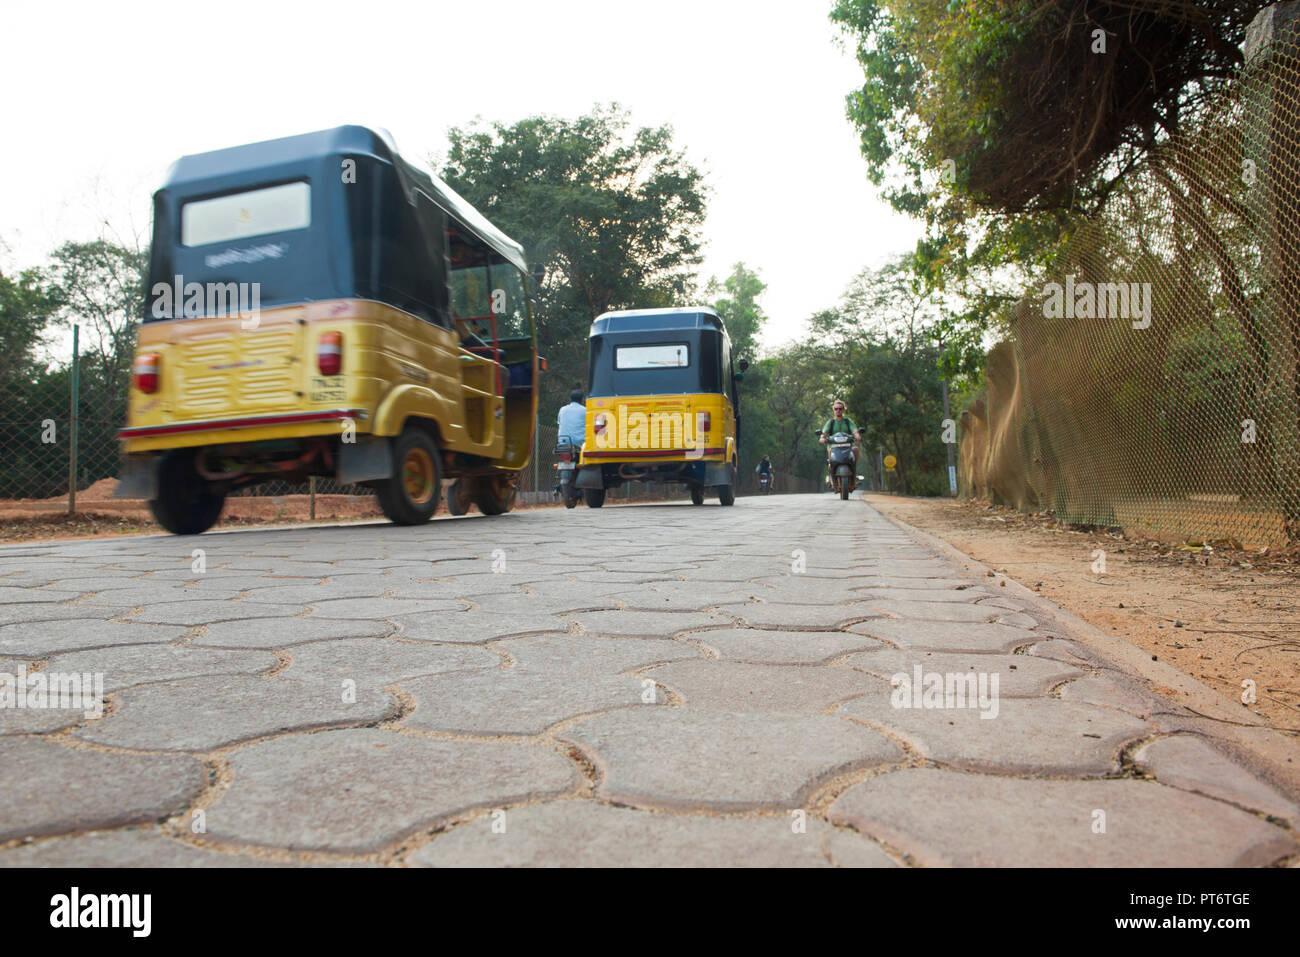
(229, 169)
(655, 320)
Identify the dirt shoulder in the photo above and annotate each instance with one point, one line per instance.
(1220, 614)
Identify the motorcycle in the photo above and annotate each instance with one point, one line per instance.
(764, 482)
(566, 469)
(843, 468)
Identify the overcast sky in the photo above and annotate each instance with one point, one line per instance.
(101, 97)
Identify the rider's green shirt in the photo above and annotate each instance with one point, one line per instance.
(834, 425)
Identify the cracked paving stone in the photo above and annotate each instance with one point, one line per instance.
(360, 790)
(678, 758)
(200, 714)
(1114, 691)
(647, 624)
(946, 636)
(130, 665)
(588, 834)
(783, 647)
(945, 818)
(283, 632)
(1069, 652)
(1019, 676)
(35, 639)
(49, 789)
(764, 688)
(599, 655)
(809, 617)
(1191, 764)
(517, 702)
(1024, 736)
(203, 612)
(381, 661)
(519, 605)
(129, 847)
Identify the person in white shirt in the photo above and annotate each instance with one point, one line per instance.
(572, 420)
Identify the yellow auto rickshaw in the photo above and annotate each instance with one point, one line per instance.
(662, 404)
(317, 306)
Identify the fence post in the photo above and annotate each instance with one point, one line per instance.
(75, 400)
(311, 484)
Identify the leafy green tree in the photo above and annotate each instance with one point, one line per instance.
(611, 214)
(996, 121)
(736, 300)
(26, 307)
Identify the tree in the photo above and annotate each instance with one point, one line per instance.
(996, 121)
(736, 301)
(611, 214)
(100, 286)
(26, 307)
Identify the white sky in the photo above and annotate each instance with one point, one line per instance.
(99, 98)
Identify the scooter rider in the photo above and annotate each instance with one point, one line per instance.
(572, 419)
(839, 422)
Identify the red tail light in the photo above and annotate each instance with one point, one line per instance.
(566, 457)
(329, 353)
(599, 425)
(145, 372)
(703, 421)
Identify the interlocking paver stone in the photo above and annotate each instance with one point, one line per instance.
(1018, 675)
(647, 624)
(129, 665)
(1187, 762)
(763, 688)
(381, 661)
(282, 632)
(516, 701)
(782, 647)
(40, 638)
(588, 834)
(1023, 735)
(972, 820)
(50, 789)
(130, 847)
(358, 790)
(946, 636)
(587, 653)
(679, 758)
(199, 714)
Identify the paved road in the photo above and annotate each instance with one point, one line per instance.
(639, 685)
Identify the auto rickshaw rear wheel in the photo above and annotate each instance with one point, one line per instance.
(727, 493)
(410, 495)
(186, 503)
(594, 497)
(495, 495)
(460, 496)
(697, 494)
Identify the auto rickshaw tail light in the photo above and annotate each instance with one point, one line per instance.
(703, 421)
(329, 353)
(144, 372)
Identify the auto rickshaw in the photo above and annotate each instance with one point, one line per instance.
(317, 306)
(662, 404)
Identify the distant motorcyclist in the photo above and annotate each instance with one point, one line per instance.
(571, 422)
(839, 422)
(765, 466)
(766, 473)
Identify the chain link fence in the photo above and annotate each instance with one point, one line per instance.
(1153, 381)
